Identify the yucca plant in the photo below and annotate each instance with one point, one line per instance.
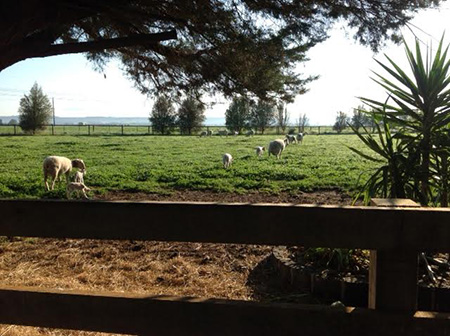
(421, 109)
(394, 178)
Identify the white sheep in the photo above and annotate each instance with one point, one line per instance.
(276, 147)
(202, 134)
(227, 159)
(300, 137)
(77, 187)
(260, 150)
(56, 166)
(222, 132)
(209, 133)
(291, 138)
(79, 176)
(250, 132)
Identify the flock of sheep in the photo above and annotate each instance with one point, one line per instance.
(55, 167)
(276, 147)
(224, 132)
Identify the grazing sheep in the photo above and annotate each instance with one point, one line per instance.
(260, 150)
(300, 137)
(202, 134)
(276, 147)
(291, 138)
(222, 132)
(250, 133)
(56, 166)
(79, 176)
(227, 159)
(209, 133)
(77, 187)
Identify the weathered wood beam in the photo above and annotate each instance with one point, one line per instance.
(266, 224)
(150, 315)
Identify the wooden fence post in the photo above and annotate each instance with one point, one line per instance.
(393, 273)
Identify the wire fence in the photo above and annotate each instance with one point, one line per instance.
(115, 129)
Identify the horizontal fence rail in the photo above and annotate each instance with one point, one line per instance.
(166, 315)
(140, 129)
(398, 233)
(265, 224)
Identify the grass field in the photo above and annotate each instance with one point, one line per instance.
(157, 164)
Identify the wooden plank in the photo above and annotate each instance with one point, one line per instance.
(268, 224)
(393, 272)
(147, 315)
(393, 280)
(394, 202)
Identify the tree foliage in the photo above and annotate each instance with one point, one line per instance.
(35, 110)
(238, 114)
(302, 122)
(163, 116)
(261, 116)
(191, 115)
(282, 117)
(341, 122)
(246, 47)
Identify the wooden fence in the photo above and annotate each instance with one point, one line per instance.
(398, 234)
(115, 129)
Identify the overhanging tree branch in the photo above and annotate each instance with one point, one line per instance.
(23, 52)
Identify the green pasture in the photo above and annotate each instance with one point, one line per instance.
(161, 164)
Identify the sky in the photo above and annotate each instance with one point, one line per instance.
(344, 67)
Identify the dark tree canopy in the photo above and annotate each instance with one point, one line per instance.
(262, 115)
(237, 114)
(235, 47)
(163, 115)
(191, 115)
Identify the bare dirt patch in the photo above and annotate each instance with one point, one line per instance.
(319, 197)
(184, 269)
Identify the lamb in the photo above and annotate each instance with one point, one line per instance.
(260, 150)
(56, 166)
(250, 132)
(227, 159)
(202, 134)
(276, 147)
(291, 138)
(79, 176)
(209, 133)
(300, 137)
(78, 187)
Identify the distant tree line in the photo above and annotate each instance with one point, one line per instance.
(189, 117)
(242, 114)
(361, 118)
